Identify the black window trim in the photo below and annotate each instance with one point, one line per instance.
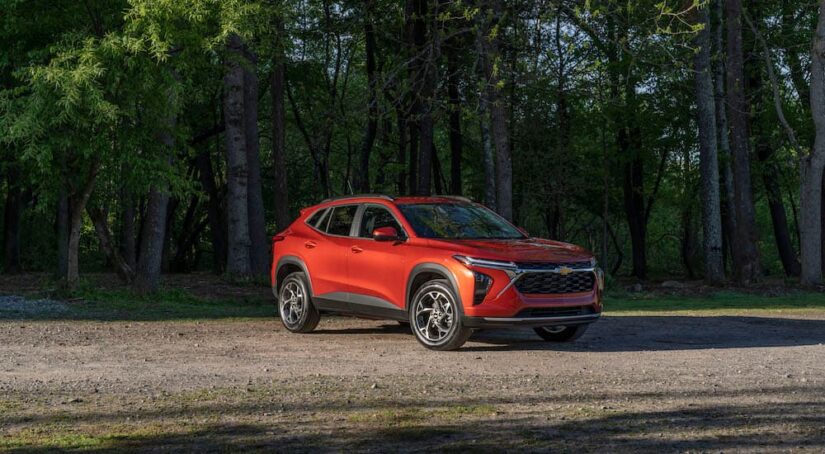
(359, 217)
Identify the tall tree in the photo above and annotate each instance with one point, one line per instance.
(813, 164)
(492, 11)
(277, 88)
(456, 141)
(746, 261)
(725, 159)
(11, 222)
(709, 168)
(259, 251)
(362, 174)
(238, 256)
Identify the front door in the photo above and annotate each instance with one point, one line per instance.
(376, 268)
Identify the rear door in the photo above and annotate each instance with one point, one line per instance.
(376, 268)
(330, 254)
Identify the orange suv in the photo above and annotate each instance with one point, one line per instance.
(444, 265)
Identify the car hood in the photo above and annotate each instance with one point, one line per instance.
(520, 250)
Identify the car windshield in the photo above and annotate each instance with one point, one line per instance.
(458, 221)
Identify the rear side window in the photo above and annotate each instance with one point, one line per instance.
(313, 220)
(341, 220)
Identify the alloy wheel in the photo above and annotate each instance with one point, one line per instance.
(434, 316)
(293, 303)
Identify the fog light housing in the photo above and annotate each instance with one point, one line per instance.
(482, 285)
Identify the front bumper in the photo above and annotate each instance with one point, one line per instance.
(504, 322)
(505, 305)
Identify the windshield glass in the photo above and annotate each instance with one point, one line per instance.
(458, 221)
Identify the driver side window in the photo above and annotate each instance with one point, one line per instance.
(375, 217)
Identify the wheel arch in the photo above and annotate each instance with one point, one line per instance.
(290, 264)
(424, 272)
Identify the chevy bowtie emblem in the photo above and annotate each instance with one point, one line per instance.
(564, 271)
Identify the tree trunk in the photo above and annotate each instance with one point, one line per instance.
(281, 196)
(72, 253)
(238, 256)
(708, 158)
(415, 29)
(217, 226)
(362, 174)
(499, 117)
(426, 80)
(168, 234)
(190, 230)
(127, 229)
(62, 235)
(745, 251)
(810, 228)
(104, 236)
(11, 222)
(402, 150)
(456, 143)
(77, 204)
(153, 228)
(147, 278)
(259, 249)
(487, 158)
(725, 159)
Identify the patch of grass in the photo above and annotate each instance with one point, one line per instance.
(723, 301)
(167, 303)
(49, 438)
(416, 415)
(90, 302)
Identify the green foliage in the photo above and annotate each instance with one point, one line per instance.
(97, 83)
(727, 302)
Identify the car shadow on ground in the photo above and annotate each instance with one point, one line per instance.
(640, 333)
(665, 332)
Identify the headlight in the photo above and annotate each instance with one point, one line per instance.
(484, 263)
(593, 262)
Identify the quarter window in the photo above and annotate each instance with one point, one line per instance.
(375, 217)
(341, 220)
(313, 220)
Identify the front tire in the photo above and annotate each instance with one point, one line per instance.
(560, 333)
(435, 317)
(295, 307)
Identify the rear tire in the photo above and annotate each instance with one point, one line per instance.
(295, 307)
(561, 333)
(435, 317)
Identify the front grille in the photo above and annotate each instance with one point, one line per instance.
(555, 283)
(540, 312)
(553, 265)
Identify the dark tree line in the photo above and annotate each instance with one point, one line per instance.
(670, 137)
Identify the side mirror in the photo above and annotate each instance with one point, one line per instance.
(385, 234)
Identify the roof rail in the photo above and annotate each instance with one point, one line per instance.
(456, 197)
(357, 196)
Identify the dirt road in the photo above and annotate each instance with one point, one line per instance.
(632, 383)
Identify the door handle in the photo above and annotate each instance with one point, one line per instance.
(356, 249)
(310, 244)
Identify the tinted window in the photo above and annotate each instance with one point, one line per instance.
(375, 217)
(341, 220)
(313, 220)
(457, 221)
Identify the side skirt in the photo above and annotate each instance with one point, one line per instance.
(359, 305)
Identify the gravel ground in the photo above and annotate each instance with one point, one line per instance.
(673, 383)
